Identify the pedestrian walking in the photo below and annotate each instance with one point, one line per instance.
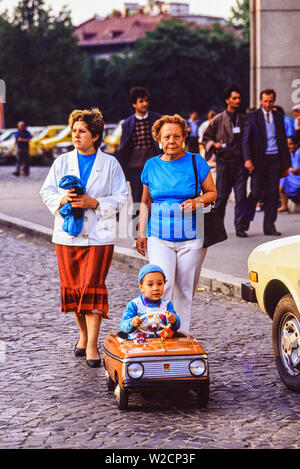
(23, 138)
(192, 139)
(266, 158)
(137, 144)
(84, 257)
(202, 128)
(223, 137)
(170, 236)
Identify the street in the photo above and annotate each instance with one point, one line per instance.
(50, 399)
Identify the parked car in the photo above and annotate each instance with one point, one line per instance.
(112, 140)
(62, 147)
(163, 362)
(48, 132)
(8, 144)
(45, 147)
(274, 273)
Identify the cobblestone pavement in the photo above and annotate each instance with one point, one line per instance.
(50, 399)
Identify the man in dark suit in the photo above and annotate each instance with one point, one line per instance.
(137, 144)
(266, 157)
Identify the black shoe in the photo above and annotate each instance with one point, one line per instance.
(93, 363)
(79, 352)
(241, 234)
(272, 232)
(16, 173)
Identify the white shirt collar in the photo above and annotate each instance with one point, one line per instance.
(142, 117)
(266, 112)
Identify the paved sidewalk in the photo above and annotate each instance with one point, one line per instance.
(225, 265)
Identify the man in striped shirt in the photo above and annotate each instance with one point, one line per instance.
(137, 144)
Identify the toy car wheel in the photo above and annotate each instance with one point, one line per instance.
(203, 396)
(286, 342)
(109, 382)
(121, 396)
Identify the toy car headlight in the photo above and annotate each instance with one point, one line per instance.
(135, 370)
(197, 367)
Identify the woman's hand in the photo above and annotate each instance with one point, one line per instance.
(84, 201)
(79, 201)
(190, 205)
(141, 245)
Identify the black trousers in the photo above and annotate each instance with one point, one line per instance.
(192, 144)
(134, 178)
(22, 158)
(133, 175)
(265, 185)
(233, 175)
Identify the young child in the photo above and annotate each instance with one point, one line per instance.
(151, 280)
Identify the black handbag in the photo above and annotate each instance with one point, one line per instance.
(214, 230)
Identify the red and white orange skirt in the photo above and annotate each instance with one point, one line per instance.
(82, 272)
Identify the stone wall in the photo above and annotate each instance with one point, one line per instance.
(275, 50)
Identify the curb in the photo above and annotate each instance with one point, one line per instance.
(209, 279)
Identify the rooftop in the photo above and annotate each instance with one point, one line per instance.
(116, 29)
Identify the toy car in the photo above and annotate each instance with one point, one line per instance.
(274, 272)
(155, 363)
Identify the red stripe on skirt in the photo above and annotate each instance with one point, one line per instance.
(82, 272)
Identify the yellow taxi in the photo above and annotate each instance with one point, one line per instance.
(45, 147)
(49, 132)
(112, 140)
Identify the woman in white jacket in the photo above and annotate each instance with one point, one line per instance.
(84, 259)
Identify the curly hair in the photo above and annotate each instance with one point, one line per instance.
(138, 92)
(175, 119)
(93, 119)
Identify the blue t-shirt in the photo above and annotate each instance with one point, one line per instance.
(170, 183)
(85, 163)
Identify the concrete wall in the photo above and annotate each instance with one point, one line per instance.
(275, 50)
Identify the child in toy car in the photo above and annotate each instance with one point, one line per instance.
(157, 357)
(164, 320)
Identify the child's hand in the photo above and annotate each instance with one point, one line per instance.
(171, 318)
(136, 321)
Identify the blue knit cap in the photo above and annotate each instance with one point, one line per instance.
(146, 269)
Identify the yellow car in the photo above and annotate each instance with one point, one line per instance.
(112, 141)
(274, 273)
(49, 132)
(45, 147)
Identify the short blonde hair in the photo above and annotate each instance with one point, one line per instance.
(175, 119)
(93, 119)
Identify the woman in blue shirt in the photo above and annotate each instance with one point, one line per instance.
(289, 186)
(173, 235)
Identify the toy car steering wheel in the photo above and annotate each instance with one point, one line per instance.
(154, 322)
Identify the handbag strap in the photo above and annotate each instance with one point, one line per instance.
(196, 174)
(196, 177)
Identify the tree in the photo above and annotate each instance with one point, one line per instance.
(46, 76)
(241, 18)
(241, 21)
(185, 68)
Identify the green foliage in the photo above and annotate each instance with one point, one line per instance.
(185, 68)
(45, 74)
(241, 17)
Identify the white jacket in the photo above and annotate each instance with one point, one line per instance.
(106, 183)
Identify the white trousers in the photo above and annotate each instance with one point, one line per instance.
(181, 262)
